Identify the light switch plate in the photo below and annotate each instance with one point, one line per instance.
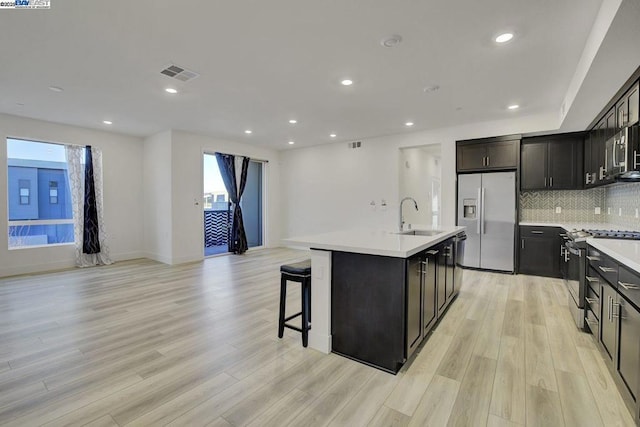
(558, 209)
(597, 211)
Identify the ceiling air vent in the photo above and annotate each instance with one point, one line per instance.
(179, 73)
(355, 144)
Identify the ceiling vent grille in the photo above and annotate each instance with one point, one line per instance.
(355, 144)
(179, 73)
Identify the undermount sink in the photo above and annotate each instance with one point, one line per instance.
(420, 232)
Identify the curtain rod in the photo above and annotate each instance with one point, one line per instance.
(238, 155)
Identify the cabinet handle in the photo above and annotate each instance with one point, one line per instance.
(591, 300)
(545, 181)
(629, 286)
(602, 172)
(606, 269)
(550, 181)
(587, 178)
(537, 232)
(610, 308)
(591, 279)
(432, 252)
(522, 243)
(488, 160)
(613, 314)
(593, 258)
(635, 159)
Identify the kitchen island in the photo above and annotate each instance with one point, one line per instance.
(376, 294)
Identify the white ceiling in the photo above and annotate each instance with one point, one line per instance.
(262, 63)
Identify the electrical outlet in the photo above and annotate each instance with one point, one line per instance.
(597, 211)
(608, 211)
(558, 209)
(619, 211)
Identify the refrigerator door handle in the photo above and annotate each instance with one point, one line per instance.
(482, 210)
(479, 219)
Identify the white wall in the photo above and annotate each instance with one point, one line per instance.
(184, 167)
(157, 186)
(419, 168)
(329, 187)
(123, 195)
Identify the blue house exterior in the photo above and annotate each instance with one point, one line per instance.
(38, 190)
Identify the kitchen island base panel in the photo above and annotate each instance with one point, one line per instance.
(320, 333)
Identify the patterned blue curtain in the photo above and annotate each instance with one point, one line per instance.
(90, 235)
(226, 163)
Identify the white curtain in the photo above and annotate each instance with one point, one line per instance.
(75, 162)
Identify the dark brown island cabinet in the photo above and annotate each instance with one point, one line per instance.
(382, 308)
(612, 314)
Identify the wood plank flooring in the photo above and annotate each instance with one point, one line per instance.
(140, 343)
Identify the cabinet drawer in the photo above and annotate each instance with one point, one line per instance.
(605, 266)
(629, 285)
(593, 302)
(532, 231)
(593, 280)
(592, 322)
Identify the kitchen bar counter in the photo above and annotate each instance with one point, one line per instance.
(377, 260)
(373, 242)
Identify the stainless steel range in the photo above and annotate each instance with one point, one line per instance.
(574, 264)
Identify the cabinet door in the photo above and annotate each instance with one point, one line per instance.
(607, 320)
(414, 303)
(533, 166)
(502, 154)
(451, 262)
(629, 347)
(563, 162)
(471, 157)
(588, 174)
(429, 303)
(634, 105)
(598, 150)
(627, 108)
(441, 276)
(540, 256)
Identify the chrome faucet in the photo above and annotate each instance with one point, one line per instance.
(401, 216)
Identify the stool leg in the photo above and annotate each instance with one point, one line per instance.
(305, 312)
(283, 299)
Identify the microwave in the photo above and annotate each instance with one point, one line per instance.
(622, 155)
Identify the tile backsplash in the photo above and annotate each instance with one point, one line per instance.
(617, 203)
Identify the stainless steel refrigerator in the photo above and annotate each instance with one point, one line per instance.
(487, 207)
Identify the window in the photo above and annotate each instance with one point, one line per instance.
(25, 191)
(53, 192)
(39, 207)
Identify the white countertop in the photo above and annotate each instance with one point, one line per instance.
(373, 242)
(627, 252)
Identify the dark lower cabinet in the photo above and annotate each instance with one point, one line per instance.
(629, 345)
(608, 329)
(540, 251)
(383, 307)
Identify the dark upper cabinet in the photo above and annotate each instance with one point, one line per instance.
(598, 136)
(627, 108)
(487, 155)
(552, 162)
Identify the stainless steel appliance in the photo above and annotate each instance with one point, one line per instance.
(487, 207)
(622, 155)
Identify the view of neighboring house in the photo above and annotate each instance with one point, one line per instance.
(39, 203)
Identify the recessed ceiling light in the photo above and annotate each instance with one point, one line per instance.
(291, 142)
(171, 90)
(333, 135)
(293, 121)
(107, 122)
(391, 41)
(432, 88)
(409, 124)
(513, 107)
(56, 88)
(503, 38)
(346, 82)
(248, 132)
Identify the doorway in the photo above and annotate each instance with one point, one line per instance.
(217, 207)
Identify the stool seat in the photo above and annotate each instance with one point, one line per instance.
(299, 272)
(302, 268)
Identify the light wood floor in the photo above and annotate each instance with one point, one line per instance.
(140, 343)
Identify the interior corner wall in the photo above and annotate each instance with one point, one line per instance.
(122, 176)
(157, 183)
(330, 187)
(187, 218)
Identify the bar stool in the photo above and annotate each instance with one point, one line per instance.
(298, 272)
